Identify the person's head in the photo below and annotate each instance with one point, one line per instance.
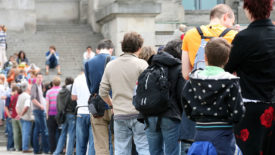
(132, 42)
(21, 55)
(223, 14)
(11, 58)
(3, 28)
(257, 9)
(89, 49)
(52, 48)
(22, 72)
(174, 48)
(146, 52)
(217, 52)
(56, 81)
(105, 45)
(33, 74)
(69, 80)
(15, 89)
(39, 78)
(182, 27)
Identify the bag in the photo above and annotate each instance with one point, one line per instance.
(199, 59)
(152, 93)
(96, 105)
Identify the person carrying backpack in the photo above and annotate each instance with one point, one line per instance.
(65, 106)
(158, 100)
(221, 18)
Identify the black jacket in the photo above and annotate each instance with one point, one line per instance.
(253, 58)
(213, 100)
(176, 83)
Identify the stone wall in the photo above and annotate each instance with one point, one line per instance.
(18, 15)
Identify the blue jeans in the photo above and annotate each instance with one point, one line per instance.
(124, 132)
(184, 147)
(26, 134)
(84, 135)
(167, 137)
(10, 144)
(40, 127)
(68, 127)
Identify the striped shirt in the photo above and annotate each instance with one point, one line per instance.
(51, 99)
(3, 39)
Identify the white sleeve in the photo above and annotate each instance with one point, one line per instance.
(74, 91)
(85, 55)
(27, 103)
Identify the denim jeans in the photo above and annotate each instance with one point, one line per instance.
(26, 134)
(68, 128)
(125, 131)
(40, 127)
(184, 147)
(84, 135)
(167, 137)
(10, 144)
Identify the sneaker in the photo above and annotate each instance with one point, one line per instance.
(59, 73)
(11, 149)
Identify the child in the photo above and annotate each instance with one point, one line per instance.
(2, 97)
(213, 100)
(32, 79)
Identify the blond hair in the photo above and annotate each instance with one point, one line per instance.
(146, 52)
(56, 81)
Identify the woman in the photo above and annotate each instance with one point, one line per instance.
(22, 59)
(3, 45)
(253, 59)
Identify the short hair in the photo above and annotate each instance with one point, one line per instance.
(105, 44)
(219, 10)
(69, 80)
(53, 47)
(15, 88)
(217, 51)
(24, 86)
(89, 47)
(174, 48)
(259, 9)
(132, 42)
(146, 52)
(56, 81)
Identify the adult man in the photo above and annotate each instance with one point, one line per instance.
(81, 94)
(24, 110)
(88, 54)
(39, 113)
(52, 60)
(51, 112)
(121, 76)
(221, 17)
(94, 70)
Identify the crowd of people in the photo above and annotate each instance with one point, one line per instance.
(210, 91)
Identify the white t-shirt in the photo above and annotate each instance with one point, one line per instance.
(86, 57)
(81, 90)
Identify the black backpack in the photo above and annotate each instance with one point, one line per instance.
(152, 94)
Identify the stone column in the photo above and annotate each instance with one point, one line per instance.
(124, 16)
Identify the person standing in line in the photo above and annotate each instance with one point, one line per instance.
(3, 45)
(88, 54)
(24, 110)
(51, 111)
(84, 134)
(64, 102)
(39, 106)
(253, 59)
(94, 70)
(121, 76)
(52, 60)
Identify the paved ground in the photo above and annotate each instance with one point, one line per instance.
(3, 151)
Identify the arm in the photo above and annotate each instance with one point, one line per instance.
(86, 71)
(74, 97)
(48, 55)
(105, 88)
(34, 96)
(56, 55)
(74, 92)
(26, 108)
(47, 104)
(237, 108)
(186, 65)
(7, 112)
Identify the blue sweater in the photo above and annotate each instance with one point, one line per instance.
(94, 70)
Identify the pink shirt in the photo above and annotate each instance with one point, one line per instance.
(51, 97)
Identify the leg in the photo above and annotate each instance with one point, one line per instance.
(71, 132)
(36, 131)
(155, 139)
(62, 139)
(58, 69)
(17, 134)
(140, 138)
(123, 137)
(26, 130)
(52, 131)
(10, 144)
(170, 133)
(47, 69)
(81, 135)
(91, 137)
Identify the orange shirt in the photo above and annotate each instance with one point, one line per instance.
(192, 38)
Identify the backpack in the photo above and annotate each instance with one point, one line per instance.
(152, 93)
(199, 59)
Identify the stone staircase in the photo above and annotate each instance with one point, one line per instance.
(3, 139)
(70, 41)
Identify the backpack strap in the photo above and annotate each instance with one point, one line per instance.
(224, 32)
(201, 33)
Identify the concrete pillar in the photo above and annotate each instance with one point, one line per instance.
(128, 15)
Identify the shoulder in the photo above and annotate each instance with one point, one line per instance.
(191, 33)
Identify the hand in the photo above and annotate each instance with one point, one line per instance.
(42, 107)
(18, 117)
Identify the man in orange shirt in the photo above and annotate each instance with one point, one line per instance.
(221, 18)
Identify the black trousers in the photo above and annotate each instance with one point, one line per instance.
(53, 133)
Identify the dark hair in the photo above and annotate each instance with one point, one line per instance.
(217, 52)
(259, 9)
(19, 54)
(105, 44)
(69, 80)
(89, 47)
(53, 47)
(132, 42)
(219, 10)
(174, 48)
(15, 88)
